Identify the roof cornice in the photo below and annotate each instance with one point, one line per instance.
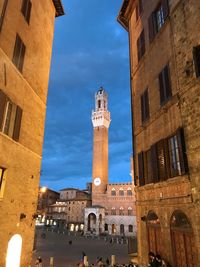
(59, 8)
(125, 13)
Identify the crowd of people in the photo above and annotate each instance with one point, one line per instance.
(157, 261)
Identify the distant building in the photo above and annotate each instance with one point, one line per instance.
(164, 38)
(68, 211)
(46, 197)
(26, 36)
(113, 205)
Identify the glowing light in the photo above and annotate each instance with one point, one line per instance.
(14, 251)
(43, 189)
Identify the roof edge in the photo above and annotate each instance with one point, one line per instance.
(122, 17)
(59, 8)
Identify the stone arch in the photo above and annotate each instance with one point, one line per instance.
(92, 218)
(183, 241)
(14, 251)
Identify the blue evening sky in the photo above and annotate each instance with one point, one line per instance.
(90, 50)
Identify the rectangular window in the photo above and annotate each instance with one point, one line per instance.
(158, 18)
(145, 105)
(19, 53)
(141, 46)
(138, 9)
(10, 117)
(26, 9)
(165, 85)
(196, 58)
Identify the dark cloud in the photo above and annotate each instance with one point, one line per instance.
(90, 50)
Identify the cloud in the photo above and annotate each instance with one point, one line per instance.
(90, 50)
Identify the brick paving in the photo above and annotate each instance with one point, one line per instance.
(65, 255)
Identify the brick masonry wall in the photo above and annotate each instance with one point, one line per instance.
(28, 90)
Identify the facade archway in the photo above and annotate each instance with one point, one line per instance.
(14, 251)
(113, 229)
(154, 233)
(121, 229)
(92, 222)
(183, 243)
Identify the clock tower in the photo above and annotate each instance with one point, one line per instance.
(101, 122)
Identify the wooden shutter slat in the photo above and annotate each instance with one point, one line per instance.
(141, 168)
(182, 151)
(154, 163)
(2, 107)
(165, 5)
(17, 125)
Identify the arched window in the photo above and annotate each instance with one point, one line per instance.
(121, 229)
(130, 211)
(130, 228)
(182, 237)
(113, 192)
(121, 192)
(113, 211)
(129, 192)
(106, 227)
(121, 211)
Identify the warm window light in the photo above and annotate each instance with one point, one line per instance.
(14, 251)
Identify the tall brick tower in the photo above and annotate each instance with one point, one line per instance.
(101, 122)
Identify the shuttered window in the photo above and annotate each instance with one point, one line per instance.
(158, 18)
(26, 9)
(196, 58)
(161, 158)
(145, 105)
(177, 152)
(19, 53)
(138, 9)
(141, 45)
(10, 117)
(154, 164)
(141, 169)
(165, 85)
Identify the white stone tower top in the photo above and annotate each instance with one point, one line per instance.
(101, 115)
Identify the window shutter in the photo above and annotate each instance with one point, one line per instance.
(137, 12)
(152, 27)
(2, 107)
(139, 49)
(16, 50)
(154, 163)
(161, 87)
(142, 108)
(21, 58)
(165, 5)
(196, 58)
(146, 99)
(182, 151)
(167, 158)
(28, 14)
(142, 43)
(17, 125)
(24, 6)
(140, 6)
(167, 82)
(141, 169)
(161, 160)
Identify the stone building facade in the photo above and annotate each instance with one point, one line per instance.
(164, 38)
(68, 211)
(113, 205)
(26, 35)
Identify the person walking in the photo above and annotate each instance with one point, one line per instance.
(38, 262)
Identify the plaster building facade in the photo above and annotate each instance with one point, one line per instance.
(113, 205)
(26, 35)
(68, 211)
(164, 38)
